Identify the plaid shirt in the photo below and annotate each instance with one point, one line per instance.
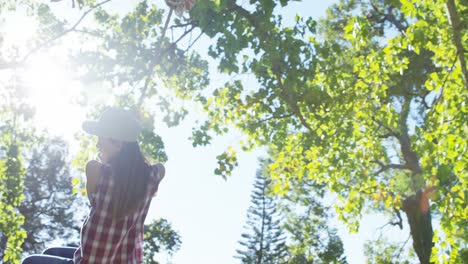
(104, 240)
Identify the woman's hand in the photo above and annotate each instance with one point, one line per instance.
(93, 172)
(161, 172)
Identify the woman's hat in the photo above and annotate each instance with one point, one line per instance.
(115, 123)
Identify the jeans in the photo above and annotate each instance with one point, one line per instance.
(53, 255)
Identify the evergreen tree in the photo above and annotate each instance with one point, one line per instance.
(50, 209)
(263, 241)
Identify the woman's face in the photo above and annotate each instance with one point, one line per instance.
(108, 148)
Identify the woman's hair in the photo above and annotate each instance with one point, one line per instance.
(130, 171)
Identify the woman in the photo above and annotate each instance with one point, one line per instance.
(120, 187)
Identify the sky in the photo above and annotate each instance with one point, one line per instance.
(208, 212)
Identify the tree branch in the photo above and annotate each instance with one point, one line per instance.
(271, 118)
(149, 76)
(191, 23)
(276, 68)
(439, 98)
(274, 117)
(196, 39)
(45, 43)
(400, 220)
(401, 248)
(41, 198)
(391, 18)
(389, 130)
(84, 31)
(387, 135)
(457, 27)
(40, 46)
(247, 15)
(385, 167)
(289, 99)
(171, 10)
(409, 155)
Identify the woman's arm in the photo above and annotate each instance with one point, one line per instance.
(93, 169)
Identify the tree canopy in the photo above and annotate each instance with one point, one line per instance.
(49, 208)
(373, 106)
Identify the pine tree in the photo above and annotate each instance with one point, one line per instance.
(50, 209)
(263, 241)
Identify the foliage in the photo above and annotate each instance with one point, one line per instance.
(14, 135)
(383, 97)
(330, 251)
(159, 237)
(128, 54)
(11, 177)
(264, 240)
(311, 238)
(380, 252)
(49, 208)
(139, 62)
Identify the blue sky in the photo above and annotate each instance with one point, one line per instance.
(207, 211)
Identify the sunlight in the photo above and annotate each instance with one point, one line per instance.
(18, 30)
(54, 94)
(51, 88)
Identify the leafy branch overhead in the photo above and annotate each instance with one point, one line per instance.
(372, 105)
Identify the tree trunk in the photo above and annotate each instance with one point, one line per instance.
(416, 206)
(3, 242)
(457, 27)
(418, 213)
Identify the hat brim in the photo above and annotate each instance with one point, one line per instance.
(92, 127)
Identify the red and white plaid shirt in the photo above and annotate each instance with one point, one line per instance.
(104, 240)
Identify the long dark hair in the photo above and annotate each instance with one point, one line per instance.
(130, 171)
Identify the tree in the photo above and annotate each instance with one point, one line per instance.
(361, 113)
(50, 209)
(14, 113)
(264, 240)
(159, 238)
(311, 239)
(12, 235)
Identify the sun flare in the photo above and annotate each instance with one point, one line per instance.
(53, 93)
